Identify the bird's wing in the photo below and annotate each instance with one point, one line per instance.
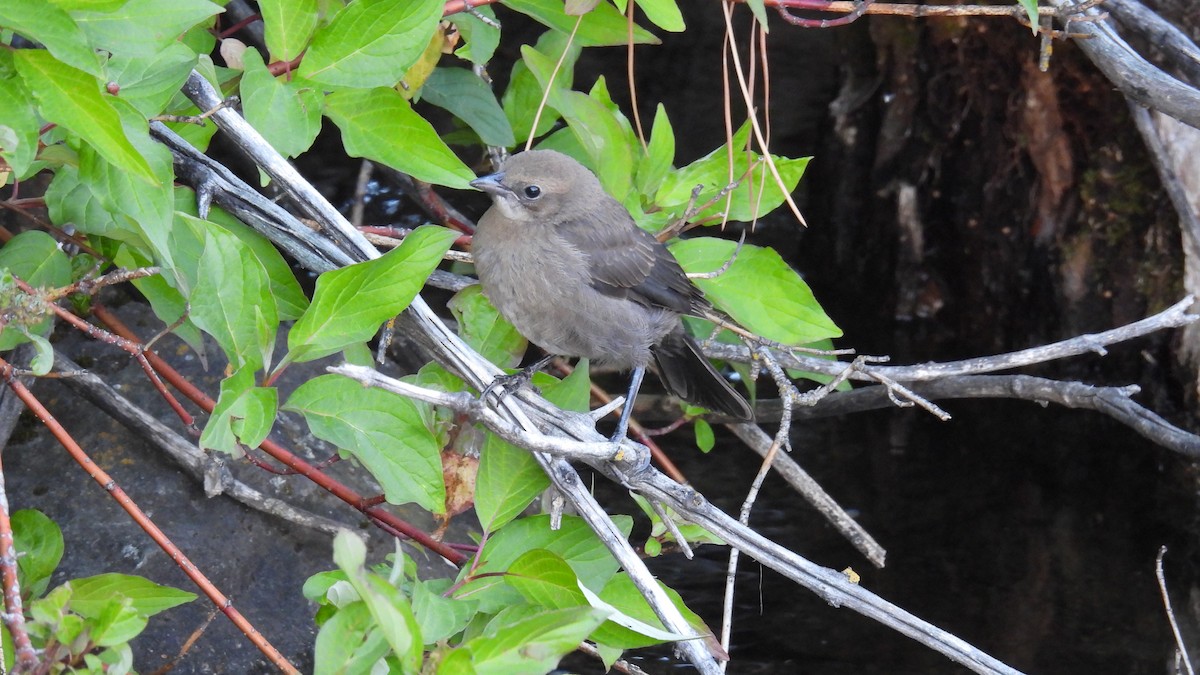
(627, 261)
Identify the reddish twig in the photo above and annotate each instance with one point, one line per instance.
(385, 520)
(133, 348)
(100, 476)
(14, 613)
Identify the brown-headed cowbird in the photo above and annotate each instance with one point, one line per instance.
(565, 263)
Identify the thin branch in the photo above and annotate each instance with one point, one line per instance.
(1166, 598)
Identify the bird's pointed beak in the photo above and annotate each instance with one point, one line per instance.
(491, 183)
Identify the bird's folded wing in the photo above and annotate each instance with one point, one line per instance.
(626, 261)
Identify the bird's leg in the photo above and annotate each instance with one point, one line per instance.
(635, 383)
(515, 381)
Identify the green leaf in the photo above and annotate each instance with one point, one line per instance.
(139, 214)
(440, 617)
(390, 610)
(117, 623)
(545, 579)
(533, 645)
(39, 546)
(379, 124)
(285, 290)
(663, 13)
(756, 195)
(43, 356)
(351, 303)
(573, 392)
(90, 595)
(244, 413)
(149, 82)
(602, 27)
(72, 98)
(759, 290)
(574, 542)
(371, 43)
(230, 297)
(48, 24)
(524, 93)
(18, 126)
(288, 114)
(288, 25)
(456, 662)
(464, 95)
(36, 258)
(480, 39)
(660, 153)
(347, 640)
(384, 431)
(509, 478)
(1031, 10)
(482, 327)
(705, 440)
(759, 9)
(143, 27)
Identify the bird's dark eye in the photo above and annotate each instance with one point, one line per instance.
(533, 192)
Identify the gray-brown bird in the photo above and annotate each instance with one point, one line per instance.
(565, 263)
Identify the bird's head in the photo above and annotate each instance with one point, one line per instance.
(542, 186)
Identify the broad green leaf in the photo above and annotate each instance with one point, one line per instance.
(705, 440)
(383, 431)
(573, 392)
(545, 579)
(149, 82)
(167, 303)
(39, 546)
(440, 617)
(347, 638)
(509, 479)
(573, 542)
(463, 94)
(91, 594)
(602, 27)
(663, 13)
(623, 597)
(371, 43)
(456, 662)
(524, 94)
(18, 126)
(143, 27)
(230, 297)
(288, 114)
(482, 327)
(72, 98)
(116, 624)
(48, 24)
(36, 258)
(140, 214)
(600, 132)
(479, 38)
(660, 153)
(351, 303)
(391, 611)
(43, 354)
(759, 290)
(288, 25)
(757, 194)
(380, 125)
(244, 413)
(285, 289)
(534, 645)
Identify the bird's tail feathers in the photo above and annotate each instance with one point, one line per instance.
(690, 376)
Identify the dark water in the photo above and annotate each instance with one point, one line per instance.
(1029, 532)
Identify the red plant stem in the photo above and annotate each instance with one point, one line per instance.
(14, 614)
(100, 476)
(386, 520)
